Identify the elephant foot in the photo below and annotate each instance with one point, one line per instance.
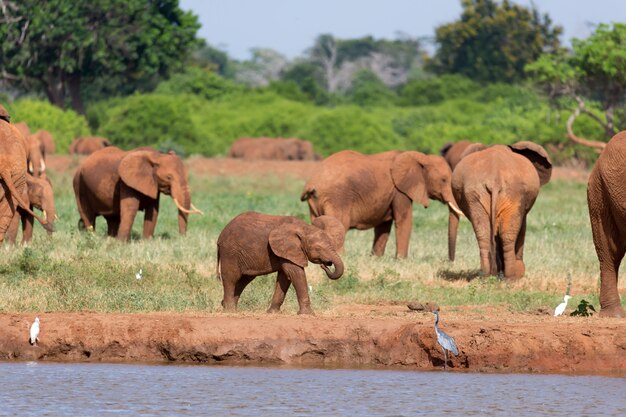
(613, 312)
(306, 310)
(273, 310)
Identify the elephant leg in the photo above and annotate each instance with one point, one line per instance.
(241, 285)
(13, 228)
(297, 277)
(511, 225)
(150, 219)
(381, 236)
(129, 205)
(402, 210)
(27, 227)
(482, 229)
(282, 285)
(229, 282)
(610, 250)
(113, 225)
(520, 268)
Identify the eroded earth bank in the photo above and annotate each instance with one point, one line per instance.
(502, 342)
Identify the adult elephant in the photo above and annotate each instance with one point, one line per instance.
(13, 163)
(453, 151)
(606, 197)
(374, 191)
(36, 156)
(272, 148)
(41, 197)
(47, 141)
(254, 244)
(88, 145)
(496, 187)
(116, 184)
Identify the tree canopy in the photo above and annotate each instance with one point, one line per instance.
(492, 42)
(594, 70)
(58, 45)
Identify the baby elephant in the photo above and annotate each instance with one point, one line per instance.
(255, 244)
(40, 196)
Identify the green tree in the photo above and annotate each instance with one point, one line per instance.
(594, 71)
(492, 42)
(368, 90)
(58, 45)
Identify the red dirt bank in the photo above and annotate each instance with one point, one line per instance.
(513, 343)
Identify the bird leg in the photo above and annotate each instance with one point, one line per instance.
(445, 359)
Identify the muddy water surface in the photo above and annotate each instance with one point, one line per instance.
(48, 389)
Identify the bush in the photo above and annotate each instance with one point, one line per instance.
(435, 90)
(368, 90)
(64, 125)
(202, 83)
(151, 119)
(350, 127)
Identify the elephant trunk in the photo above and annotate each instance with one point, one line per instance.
(49, 210)
(338, 263)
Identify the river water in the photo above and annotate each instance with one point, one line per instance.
(49, 389)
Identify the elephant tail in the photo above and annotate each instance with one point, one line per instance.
(218, 269)
(307, 193)
(494, 231)
(8, 180)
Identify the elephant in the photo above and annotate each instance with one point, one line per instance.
(116, 184)
(606, 198)
(47, 141)
(495, 188)
(40, 196)
(88, 145)
(36, 156)
(23, 128)
(13, 163)
(374, 191)
(272, 148)
(255, 244)
(452, 152)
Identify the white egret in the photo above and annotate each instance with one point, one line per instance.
(34, 332)
(139, 274)
(560, 309)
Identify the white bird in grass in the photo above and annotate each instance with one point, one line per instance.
(34, 332)
(446, 342)
(561, 307)
(139, 274)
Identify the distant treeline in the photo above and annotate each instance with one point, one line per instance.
(499, 74)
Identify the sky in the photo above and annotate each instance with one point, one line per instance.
(291, 26)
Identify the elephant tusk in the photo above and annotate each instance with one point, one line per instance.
(196, 210)
(30, 167)
(42, 166)
(455, 209)
(56, 217)
(45, 215)
(184, 210)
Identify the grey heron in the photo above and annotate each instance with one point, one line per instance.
(34, 332)
(445, 341)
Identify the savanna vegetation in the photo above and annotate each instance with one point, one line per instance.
(499, 74)
(74, 271)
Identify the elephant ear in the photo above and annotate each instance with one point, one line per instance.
(445, 148)
(137, 171)
(538, 156)
(407, 172)
(474, 147)
(333, 228)
(286, 242)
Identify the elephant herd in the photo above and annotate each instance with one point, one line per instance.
(493, 186)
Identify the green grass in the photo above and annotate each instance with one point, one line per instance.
(73, 271)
